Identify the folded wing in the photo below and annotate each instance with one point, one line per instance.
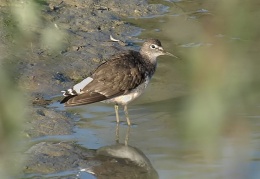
(113, 78)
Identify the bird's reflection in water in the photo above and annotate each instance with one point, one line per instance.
(135, 163)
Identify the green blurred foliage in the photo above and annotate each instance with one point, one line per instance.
(12, 115)
(21, 26)
(222, 73)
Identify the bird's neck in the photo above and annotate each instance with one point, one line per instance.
(150, 63)
(148, 57)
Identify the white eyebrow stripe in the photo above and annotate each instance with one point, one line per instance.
(78, 87)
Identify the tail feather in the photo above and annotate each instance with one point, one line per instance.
(67, 98)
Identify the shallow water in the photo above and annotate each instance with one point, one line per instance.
(157, 116)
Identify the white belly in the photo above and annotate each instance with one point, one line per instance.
(125, 99)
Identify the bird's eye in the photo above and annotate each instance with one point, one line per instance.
(152, 46)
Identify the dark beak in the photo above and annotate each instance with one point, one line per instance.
(166, 53)
(169, 54)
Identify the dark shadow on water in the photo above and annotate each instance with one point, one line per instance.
(68, 159)
(129, 153)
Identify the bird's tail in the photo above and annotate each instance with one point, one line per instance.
(70, 93)
(67, 98)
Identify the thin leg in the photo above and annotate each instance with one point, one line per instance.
(117, 133)
(117, 115)
(126, 115)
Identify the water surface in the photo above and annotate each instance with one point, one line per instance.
(158, 116)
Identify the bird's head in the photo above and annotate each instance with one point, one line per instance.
(152, 48)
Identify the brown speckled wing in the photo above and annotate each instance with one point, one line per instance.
(118, 76)
(85, 98)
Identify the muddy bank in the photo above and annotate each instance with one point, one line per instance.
(85, 27)
(42, 70)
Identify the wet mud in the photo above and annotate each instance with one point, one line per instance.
(42, 73)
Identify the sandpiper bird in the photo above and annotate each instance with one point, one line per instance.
(119, 80)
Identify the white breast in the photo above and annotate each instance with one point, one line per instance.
(125, 99)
